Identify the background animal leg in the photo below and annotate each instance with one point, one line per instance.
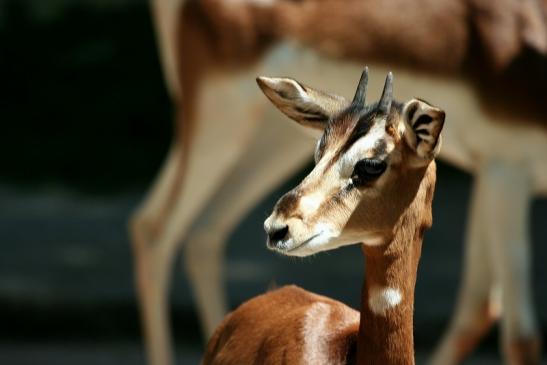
(218, 137)
(478, 302)
(144, 226)
(276, 152)
(507, 232)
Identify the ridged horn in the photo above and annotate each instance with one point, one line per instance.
(387, 95)
(361, 93)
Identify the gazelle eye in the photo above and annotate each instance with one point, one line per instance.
(367, 170)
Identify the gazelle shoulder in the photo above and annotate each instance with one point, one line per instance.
(285, 326)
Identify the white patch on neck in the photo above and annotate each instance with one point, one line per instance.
(382, 299)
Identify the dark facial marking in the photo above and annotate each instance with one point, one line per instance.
(301, 85)
(366, 117)
(288, 203)
(365, 120)
(380, 148)
(363, 126)
(321, 147)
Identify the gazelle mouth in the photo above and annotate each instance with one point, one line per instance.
(303, 243)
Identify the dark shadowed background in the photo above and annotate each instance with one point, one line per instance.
(85, 124)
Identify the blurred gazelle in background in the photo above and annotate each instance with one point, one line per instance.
(484, 62)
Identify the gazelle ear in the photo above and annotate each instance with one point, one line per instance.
(425, 122)
(307, 106)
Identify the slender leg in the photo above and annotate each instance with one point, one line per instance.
(274, 154)
(144, 228)
(146, 217)
(147, 222)
(478, 303)
(165, 16)
(507, 234)
(220, 135)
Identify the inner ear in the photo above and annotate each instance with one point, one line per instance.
(307, 106)
(423, 119)
(425, 123)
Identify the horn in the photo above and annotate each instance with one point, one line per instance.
(361, 93)
(387, 94)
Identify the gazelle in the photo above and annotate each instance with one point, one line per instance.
(225, 154)
(373, 184)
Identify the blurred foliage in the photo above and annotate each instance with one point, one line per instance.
(82, 99)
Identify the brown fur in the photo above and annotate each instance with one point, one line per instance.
(271, 328)
(287, 205)
(395, 265)
(282, 326)
(524, 351)
(468, 340)
(499, 45)
(276, 323)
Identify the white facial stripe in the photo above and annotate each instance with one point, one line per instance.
(310, 203)
(305, 240)
(382, 299)
(361, 149)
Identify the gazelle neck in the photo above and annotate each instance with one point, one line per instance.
(387, 298)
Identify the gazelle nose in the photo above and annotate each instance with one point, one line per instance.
(277, 233)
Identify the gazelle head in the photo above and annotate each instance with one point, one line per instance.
(369, 163)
